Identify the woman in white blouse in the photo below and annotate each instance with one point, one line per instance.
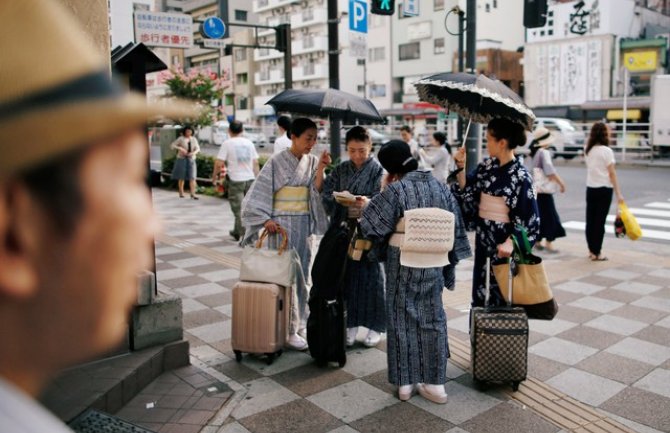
(440, 157)
(601, 181)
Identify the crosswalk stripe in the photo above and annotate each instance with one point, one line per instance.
(646, 233)
(650, 212)
(654, 222)
(658, 204)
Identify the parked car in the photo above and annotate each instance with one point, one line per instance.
(256, 135)
(569, 139)
(220, 132)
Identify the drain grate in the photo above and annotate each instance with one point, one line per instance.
(93, 421)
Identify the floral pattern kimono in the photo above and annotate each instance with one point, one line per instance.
(512, 182)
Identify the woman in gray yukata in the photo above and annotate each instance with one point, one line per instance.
(287, 193)
(416, 321)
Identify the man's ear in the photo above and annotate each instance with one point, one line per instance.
(19, 234)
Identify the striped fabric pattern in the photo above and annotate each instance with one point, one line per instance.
(416, 321)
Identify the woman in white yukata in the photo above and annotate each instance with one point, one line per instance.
(287, 193)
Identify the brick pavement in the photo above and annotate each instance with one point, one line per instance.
(603, 364)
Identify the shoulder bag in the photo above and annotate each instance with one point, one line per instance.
(269, 266)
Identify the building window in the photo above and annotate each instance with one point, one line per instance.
(242, 78)
(438, 46)
(360, 88)
(308, 14)
(377, 90)
(376, 54)
(240, 15)
(140, 7)
(411, 51)
(241, 54)
(495, 4)
(438, 5)
(263, 3)
(487, 7)
(242, 103)
(230, 99)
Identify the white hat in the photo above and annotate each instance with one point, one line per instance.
(542, 137)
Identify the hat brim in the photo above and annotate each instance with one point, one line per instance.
(47, 132)
(546, 142)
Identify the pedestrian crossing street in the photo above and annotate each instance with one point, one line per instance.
(653, 217)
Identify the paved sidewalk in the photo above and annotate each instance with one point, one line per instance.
(602, 365)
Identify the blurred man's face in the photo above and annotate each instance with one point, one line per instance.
(88, 284)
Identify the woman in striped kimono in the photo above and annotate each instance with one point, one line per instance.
(361, 175)
(416, 322)
(287, 193)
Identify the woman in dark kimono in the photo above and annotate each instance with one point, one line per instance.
(416, 322)
(361, 175)
(495, 198)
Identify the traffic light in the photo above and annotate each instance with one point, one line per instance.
(534, 13)
(282, 37)
(383, 7)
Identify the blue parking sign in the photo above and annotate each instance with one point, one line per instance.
(358, 16)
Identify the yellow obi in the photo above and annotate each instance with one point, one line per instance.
(292, 199)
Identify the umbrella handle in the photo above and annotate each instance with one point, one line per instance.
(465, 134)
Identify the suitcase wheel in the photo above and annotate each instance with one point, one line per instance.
(321, 363)
(342, 362)
(271, 357)
(480, 385)
(515, 385)
(238, 355)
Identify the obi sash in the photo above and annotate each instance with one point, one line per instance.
(493, 208)
(425, 237)
(291, 199)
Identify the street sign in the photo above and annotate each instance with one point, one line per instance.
(213, 28)
(410, 8)
(358, 16)
(160, 29)
(213, 43)
(358, 45)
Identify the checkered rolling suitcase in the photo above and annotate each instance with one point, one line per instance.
(498, 340)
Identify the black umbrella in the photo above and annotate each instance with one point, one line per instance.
(475, 97)
(332, 103)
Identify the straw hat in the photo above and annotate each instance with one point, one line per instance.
(56, 94)
(542, 137)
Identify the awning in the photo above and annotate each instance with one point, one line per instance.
(640, 102)
(633, 114)
(407, 111)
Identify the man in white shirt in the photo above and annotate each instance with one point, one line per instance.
(283, 141)
(76, 219)
(241, 159)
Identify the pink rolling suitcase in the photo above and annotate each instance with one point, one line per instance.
(260, 319)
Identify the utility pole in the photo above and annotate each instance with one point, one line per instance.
(471, 147)
(334, 73)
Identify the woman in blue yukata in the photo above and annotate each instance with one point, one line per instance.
(495, 198)
(417, 222)
(287, 193)
(361, 175)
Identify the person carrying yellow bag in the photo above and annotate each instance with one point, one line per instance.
(633, 229)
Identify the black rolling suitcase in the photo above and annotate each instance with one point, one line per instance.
(498, 340)
(327, 322)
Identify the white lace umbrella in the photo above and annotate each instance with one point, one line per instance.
(475, 97)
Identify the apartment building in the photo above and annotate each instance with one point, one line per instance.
(309, 45)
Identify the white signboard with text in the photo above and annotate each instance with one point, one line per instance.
(567, 73)
(160, 29)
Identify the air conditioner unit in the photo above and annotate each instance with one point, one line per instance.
(305, 82)
(304, 30)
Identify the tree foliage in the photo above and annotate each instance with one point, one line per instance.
(202, 87)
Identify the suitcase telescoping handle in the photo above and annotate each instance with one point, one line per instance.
(487, 294)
